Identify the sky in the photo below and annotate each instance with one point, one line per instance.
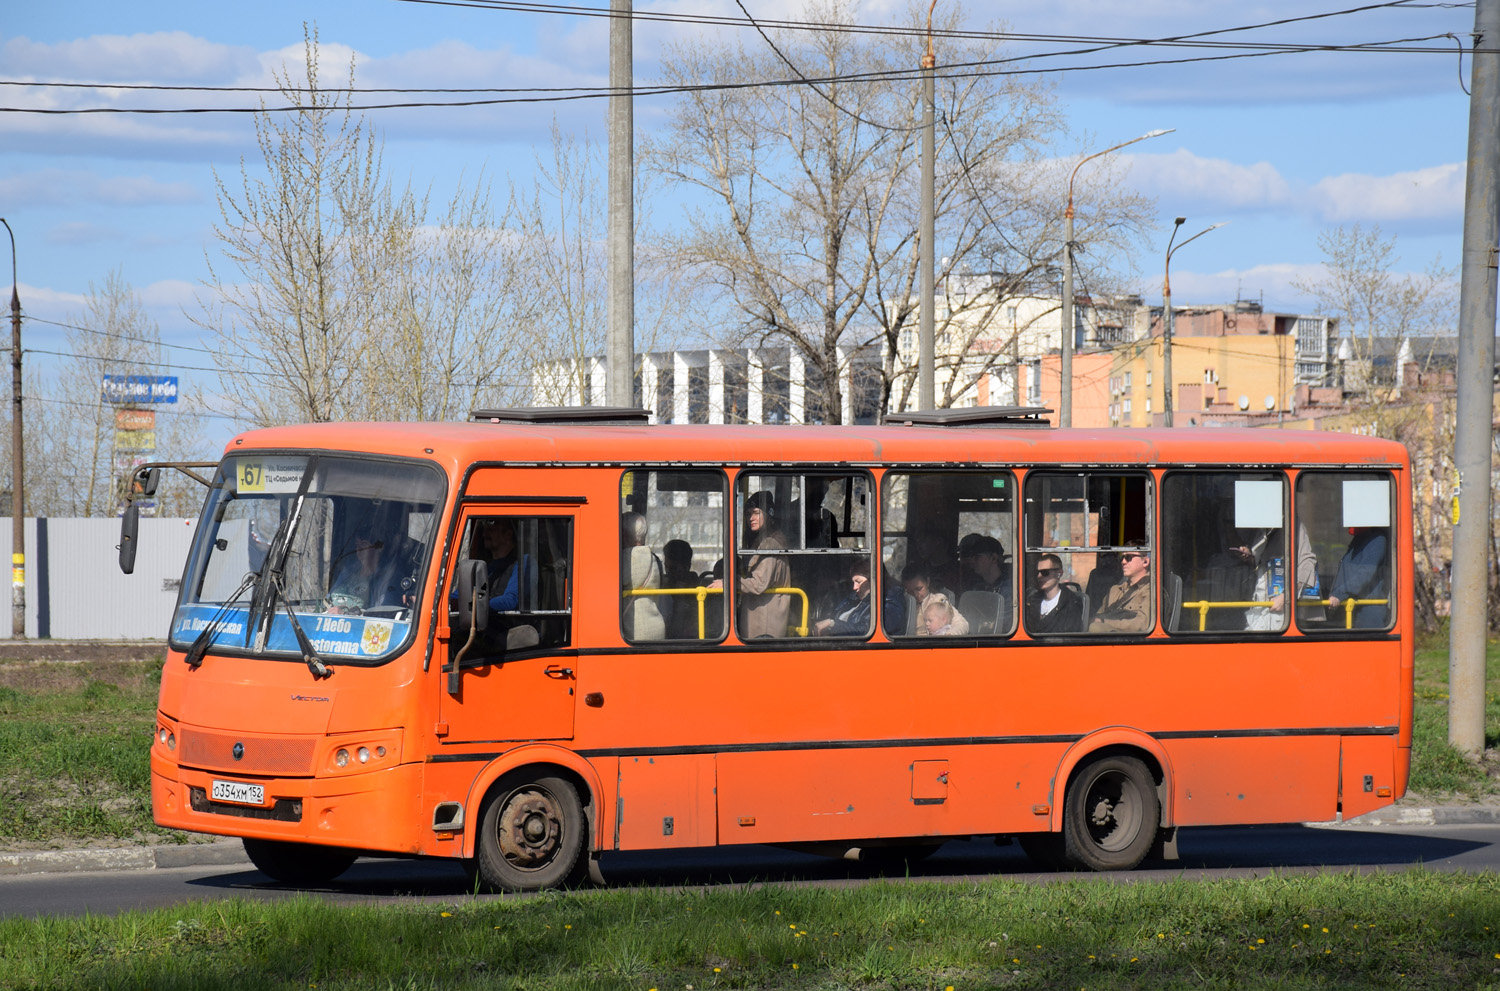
(1281, 147)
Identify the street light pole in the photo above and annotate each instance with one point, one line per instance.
(18, 459)
(1166, 314)
(926, 349)
(1065, 414)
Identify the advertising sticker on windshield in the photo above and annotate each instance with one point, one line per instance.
(269, 474)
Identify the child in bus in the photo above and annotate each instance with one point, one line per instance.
(940, 619)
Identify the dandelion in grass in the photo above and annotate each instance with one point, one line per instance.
(1134, 959)
(1161, 935)
(446, 915)
(1260, 942)
(716, 970)
(1325, 928)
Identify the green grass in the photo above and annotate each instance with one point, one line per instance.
(74, 751)
(1439, 772)
(1410, 930)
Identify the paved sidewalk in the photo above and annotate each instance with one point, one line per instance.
(230, 852)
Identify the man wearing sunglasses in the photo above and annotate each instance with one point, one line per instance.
(1051, 607)
(1127, 606)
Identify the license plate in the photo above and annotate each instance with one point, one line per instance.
(239, 793)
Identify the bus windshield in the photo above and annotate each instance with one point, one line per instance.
(332, 544)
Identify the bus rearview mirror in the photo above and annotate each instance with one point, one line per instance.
(130, 523)
(473, 597)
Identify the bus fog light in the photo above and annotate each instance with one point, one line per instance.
(171, 741)
(341, 758)
(364, 755)
(379, 751)
(161, 734)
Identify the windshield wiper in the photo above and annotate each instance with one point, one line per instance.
(269, 582)
(309, 653)
(194, 655)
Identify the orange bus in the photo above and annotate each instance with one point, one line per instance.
(544, 635)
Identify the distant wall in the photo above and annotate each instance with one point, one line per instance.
(74, 588)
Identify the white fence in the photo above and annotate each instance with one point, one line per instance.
(74, 588)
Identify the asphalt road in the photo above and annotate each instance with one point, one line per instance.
(1205, 853)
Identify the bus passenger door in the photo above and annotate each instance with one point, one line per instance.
(515, 681)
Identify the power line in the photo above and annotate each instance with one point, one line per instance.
(101, 405)
(889, 75)
(120, 337)
(144, 364)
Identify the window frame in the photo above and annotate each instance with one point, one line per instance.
(726, 489)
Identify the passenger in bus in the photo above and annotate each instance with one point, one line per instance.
(682, 621)
(893, 611)
(1266, 556)
(940, 619)
(762, 614)
(1127, 606)
(983, 557)
(1050, 606)
(917, 583)
(851, 617)
(1364, 573)
(641, 618)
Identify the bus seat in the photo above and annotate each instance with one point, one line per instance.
(982, 609)
(1174, 602)
(1086, 613)
(912, 619)
(521, 637)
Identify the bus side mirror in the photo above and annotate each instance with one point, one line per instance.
(129, 525)
(473, 597)
(146, 482)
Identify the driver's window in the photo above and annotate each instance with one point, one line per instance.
(528, 565)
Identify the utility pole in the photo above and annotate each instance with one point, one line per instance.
(620, 370)
(1476, 392)
(926, 354)
(1065, 414)
(18, 459)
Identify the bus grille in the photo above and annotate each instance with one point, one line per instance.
(261, 755)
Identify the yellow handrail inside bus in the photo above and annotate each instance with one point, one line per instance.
(1204, 606)
(702, 592)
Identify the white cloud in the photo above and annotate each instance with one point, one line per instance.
(1193, 179)
(161, 56)
(80, 232)
(1422, 195)
(1271, 283)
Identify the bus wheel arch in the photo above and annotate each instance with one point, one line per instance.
(531, 832)
(1115, 740)
(1114, 806)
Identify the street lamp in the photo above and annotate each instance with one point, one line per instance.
(1065, 417)
(1166, 312)
(18, 459)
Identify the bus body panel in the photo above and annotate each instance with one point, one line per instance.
(1236, 780)
(666, 801)
(1367, 773)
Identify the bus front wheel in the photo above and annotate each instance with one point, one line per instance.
(1111, 814)
(297, 863)
(531, 836)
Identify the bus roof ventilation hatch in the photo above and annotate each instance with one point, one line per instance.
(973, 416)
(565, 415)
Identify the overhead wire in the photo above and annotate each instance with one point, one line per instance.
(118, 336)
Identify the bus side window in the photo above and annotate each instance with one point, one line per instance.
(1224, 551)
(672, 529)
(798, 538)
(950, 534)
(1347, 516)
(1094, 528)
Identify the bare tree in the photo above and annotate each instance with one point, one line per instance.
(810, 196)
(1376, 306)
(343, 298)
(82, 449)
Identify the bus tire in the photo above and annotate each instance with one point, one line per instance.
(531, 835)
(1111, 813)
(297, 863)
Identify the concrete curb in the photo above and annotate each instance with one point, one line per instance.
(140, 858)
(232, 853)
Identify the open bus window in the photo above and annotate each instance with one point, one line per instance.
(528, 564)
(672, 547)
(1096, 527)
(946, 546)
(1225, 555)
(1347, 516)
(800, 536)
(351, 539)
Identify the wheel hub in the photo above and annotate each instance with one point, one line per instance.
(530, 829)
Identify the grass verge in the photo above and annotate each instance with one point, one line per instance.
(1410, 930)
(1438, 771)
(75, 752)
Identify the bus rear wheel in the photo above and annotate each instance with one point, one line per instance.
(297, 863)
(1111, 814)
(531, 836)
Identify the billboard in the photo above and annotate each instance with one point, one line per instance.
(129, 389)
